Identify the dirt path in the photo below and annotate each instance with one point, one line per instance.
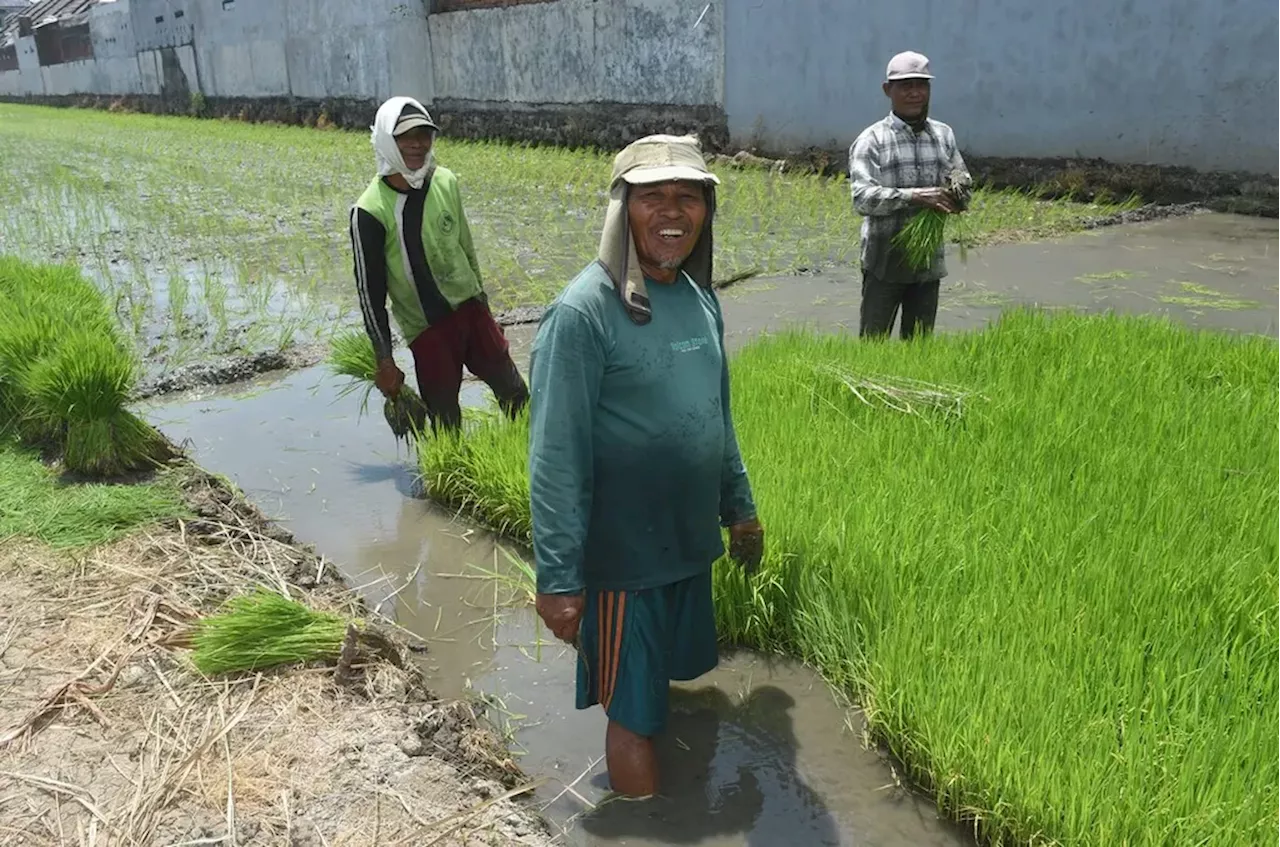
(108, 736)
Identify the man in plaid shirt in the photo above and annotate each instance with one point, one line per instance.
(897, 167)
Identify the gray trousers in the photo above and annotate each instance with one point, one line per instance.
(882, 298)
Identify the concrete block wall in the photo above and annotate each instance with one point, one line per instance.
(1170, 82)
(1164, 82)
(653, 52)
(162, 23)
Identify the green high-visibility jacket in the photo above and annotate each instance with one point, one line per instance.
(415, 248)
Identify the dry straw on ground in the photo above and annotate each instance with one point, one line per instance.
(108, 736)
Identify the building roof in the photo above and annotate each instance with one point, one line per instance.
(45, 12)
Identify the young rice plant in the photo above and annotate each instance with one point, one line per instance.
(1056, 600)
(263, 630)
(65, 373)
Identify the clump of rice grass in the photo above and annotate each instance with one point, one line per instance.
(351, 354)
(1056, 600)
(65, 373)
(264, 630)
(483, 473)
(77, 393)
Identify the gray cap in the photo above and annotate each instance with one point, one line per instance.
(412, 117)
(908, 65)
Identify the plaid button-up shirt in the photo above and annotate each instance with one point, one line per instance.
(886, 161)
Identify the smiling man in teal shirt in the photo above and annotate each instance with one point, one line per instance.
(634, 465)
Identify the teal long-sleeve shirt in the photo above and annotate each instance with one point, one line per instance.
(634, 465)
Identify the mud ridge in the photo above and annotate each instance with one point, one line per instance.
(309, 758)
(233, 369)
(1142, 214)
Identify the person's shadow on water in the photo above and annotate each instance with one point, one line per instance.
(725, 769)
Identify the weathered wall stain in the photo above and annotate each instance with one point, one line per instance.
(173, 82)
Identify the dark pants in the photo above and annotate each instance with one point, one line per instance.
(471, 337)
(881, 300)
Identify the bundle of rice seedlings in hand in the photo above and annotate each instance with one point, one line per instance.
(77, 395)
(923, 235)
(351, 354)
(263, 630)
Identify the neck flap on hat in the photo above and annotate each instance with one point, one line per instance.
(385, 149)
(618, 252)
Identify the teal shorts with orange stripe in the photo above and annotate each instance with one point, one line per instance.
(631, 644)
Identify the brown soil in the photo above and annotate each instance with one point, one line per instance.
(109, 736)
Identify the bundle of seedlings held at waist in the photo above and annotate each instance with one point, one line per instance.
(922, 237)
(66, 373)
(351, 354)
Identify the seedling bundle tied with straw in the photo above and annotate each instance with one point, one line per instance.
(923, 235)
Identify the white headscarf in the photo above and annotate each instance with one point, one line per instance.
(385, 149)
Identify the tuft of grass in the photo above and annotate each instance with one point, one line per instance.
(351, 355)
(1042, 556)
(923, 235)
(483, 472)
(78, 394)
(65, 373)
(263, 630)
(35, 503)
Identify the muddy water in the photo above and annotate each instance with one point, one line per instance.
(1206, 270)
(758, 752)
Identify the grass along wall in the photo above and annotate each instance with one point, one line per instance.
(1052, 585)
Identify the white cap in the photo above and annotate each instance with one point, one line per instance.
(908, 65)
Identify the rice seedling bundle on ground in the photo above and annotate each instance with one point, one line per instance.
(1043, 557)
(66, 374)
(351, 354)
(263, 630)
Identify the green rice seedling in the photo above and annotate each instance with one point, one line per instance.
(483, 473)
(26, 338)
(78, 392)
(1073, 637)
(264, 630)
(351, 355)
(36, 503)
(923, 235)
(527, 251)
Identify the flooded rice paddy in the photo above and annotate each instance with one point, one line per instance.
(759, 752)
(220, 238)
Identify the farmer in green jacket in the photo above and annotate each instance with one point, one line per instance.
(634, 465)
(411, 242)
